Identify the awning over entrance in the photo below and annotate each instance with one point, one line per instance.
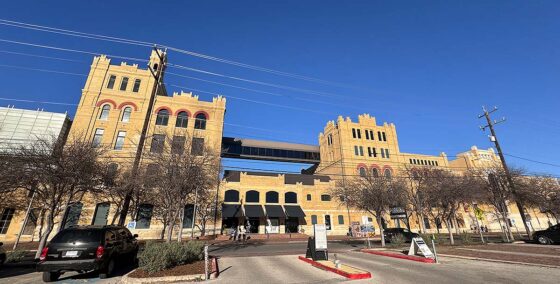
(253, 211)
(275, 211)
(294, 211)
(231, 210)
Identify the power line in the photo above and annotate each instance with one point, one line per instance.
(178, 50)
(534, 161)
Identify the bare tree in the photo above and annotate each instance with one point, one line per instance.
(419, 182)
(176, 174)
(59, 174)
(374, 194)
(445, 192)
(542, 192)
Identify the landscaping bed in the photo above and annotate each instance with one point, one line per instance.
(507, 256)
(185, 269)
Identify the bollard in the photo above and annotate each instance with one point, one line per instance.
(206, 262)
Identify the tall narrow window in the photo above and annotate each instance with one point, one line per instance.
(162, 117)
(120, 140)
(136, 86)
(104, 112)
(387, 153)
(353, 132)
(374, 172)
(374, 151)
(178, 145)
(144, 216)
(158, 141)
(124, 84)
(361, 151)
(73, 215)
(200, 122)
(388, 173)
(436, 163)
(6, 219)
(111, 83)
(379, 136)
(188, 215)
(356, 151)
(359, 132)
(182, 120)
(126, 114)
(97, 137)
(197, 147)
(369, 151)
(341, 218)
(308, 197)
(328, 222)
(382, 153)
(367, 134)
(384, 137)
(362, 172)
(101, 214)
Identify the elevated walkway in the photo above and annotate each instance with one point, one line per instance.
(251, 149)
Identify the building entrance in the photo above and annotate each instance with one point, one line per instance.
(292, 225)
(253, 225)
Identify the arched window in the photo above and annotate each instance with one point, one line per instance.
(231, 196)
(290, 197)
(272, 197)
(362, 172)
(252, 196)
(182, 120)
(162, 117)
(126, 114)
(200, 122)
(374, 172)
(104, 112)
(387, 173)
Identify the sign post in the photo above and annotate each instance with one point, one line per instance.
(419, 246)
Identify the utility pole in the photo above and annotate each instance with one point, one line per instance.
(494, 138)
(158, 76)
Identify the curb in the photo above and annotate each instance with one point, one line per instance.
(401, 256)
(353, 276)
(126, 279)
(499, 261)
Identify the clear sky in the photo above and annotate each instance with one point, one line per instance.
(427, 66)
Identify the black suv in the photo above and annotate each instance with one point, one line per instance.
(87, 248)
(407, 235)
(548, 236)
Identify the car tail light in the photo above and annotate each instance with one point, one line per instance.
(99, 252)
(44, 252)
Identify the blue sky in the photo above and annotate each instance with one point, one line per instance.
(427, 66)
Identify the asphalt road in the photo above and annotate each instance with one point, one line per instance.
(289, 269)
(255, 248)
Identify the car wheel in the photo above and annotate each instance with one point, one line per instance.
(49, 276)
(544, 240)
(108, 271)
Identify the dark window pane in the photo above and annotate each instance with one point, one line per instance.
(325, 197)
(309, 197)
(74, 235)
(182, 120)
(111, 83)
(158, 142)
(124, 83)
(136, 86)
(272, 197)
(231, 196)
(188, 216)
(144, 217)
(6, 219)
(101, 214)
(73, 215)
(340, 217)
(162, 117)
(290, 197)
(200, 122)
(252, 196)
(197, 148)
(178, 145)
(313, 219)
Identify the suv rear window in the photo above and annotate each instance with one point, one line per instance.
(82, 236)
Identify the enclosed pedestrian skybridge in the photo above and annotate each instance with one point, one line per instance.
(269, 151)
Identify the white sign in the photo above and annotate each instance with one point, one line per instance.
(320, 234)
(272, 226)
(419, 244)
(131, 225)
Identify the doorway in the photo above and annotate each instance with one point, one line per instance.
(253, 225)
(292, 225)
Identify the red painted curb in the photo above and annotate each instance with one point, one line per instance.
(337, 271)
(402, 256)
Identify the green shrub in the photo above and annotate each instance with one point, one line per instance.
(15, 256)
(158, 256)
(397, 240)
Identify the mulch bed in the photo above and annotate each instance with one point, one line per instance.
(186, 269)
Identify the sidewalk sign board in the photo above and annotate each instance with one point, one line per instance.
(419, 246)
(131, 225)
(317, 246)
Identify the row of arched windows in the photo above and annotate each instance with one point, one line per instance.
(374, 172)
(254, 196)
(182, 121)
(106, 108)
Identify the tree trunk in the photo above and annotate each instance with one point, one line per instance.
(450, 231)
(45, 236)
(181, 223)
(421, 222)
(380, 224)
(169, 232)
(162, 233)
